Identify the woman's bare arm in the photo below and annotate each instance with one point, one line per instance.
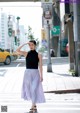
(40, 67)
(19, 52)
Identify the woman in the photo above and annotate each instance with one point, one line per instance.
(32, 86)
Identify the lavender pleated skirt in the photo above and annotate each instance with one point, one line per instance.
(32, 87)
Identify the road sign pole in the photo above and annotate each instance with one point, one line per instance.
(47, 14)
(49, 64)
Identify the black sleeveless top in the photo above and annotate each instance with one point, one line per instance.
(32, 60)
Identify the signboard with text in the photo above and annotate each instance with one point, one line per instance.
(47, 11)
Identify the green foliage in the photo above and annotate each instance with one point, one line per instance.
(42, 49)
(30, 35)
(18, 18)
(1, 49)
(72, 72)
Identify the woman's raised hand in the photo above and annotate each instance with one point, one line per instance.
(27, 43)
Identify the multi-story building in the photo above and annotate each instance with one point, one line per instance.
(3, 31)
(9, 32)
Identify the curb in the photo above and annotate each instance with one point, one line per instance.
(64, 91)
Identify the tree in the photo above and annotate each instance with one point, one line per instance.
(31, 36)
(42, 49)
(18, 18)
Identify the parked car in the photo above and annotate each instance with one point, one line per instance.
(5, 57)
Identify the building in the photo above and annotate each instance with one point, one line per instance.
(3, 31)
(12, 32)
(10, 35)
(7, 22)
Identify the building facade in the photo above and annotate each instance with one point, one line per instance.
(3, 31)
(8, 32)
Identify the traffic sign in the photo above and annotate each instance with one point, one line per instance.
(50, 22)
(55, 30)
(47, 11)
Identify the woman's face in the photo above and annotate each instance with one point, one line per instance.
(32, 46)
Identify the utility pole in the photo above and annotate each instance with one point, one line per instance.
(69, 33)
(76, 10)
(71, 44)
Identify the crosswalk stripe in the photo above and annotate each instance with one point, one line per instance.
(47, 103)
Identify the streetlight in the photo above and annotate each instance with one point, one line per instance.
(18, 31)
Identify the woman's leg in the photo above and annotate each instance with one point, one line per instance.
(33, 105)
(33, 108)
(34, 87)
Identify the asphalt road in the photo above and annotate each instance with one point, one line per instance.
(21, 62)
(13, 64)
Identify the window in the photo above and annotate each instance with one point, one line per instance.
(2, 24)
(2, 30)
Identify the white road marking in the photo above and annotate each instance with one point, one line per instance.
(18, 65)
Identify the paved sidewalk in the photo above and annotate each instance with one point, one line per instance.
(57, 82)
(60, 81)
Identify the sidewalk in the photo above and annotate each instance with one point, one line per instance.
(60, 81)
(57, 82)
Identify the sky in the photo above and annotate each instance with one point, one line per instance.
(29, 12)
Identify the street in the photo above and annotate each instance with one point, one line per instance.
(21, 62)
(10, 90)
(64, 103)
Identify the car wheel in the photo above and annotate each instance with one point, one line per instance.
(7, 61)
